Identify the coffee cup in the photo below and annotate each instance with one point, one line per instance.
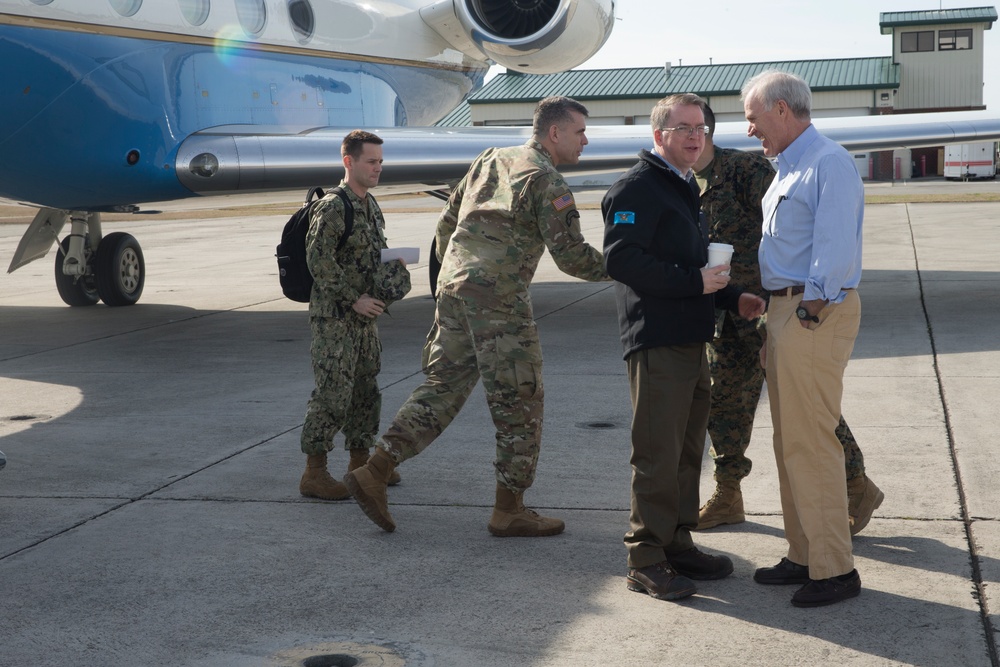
(718, 254)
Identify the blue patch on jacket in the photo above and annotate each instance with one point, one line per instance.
(624, 218)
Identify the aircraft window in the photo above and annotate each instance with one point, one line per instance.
(126, 7)
(41, 2)
(195, 11)
(911, 42)
(303, 23)
(252, 14)
(952, 40)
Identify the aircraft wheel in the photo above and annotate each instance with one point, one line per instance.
(119, 269)
(74, 291)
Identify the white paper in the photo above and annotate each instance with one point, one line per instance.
(408, 255)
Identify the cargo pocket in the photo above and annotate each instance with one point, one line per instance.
(518, 370)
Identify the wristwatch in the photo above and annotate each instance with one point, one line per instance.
(803, 314)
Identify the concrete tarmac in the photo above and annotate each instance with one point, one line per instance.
(150, 514)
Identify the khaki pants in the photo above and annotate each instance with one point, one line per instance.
(805, 383)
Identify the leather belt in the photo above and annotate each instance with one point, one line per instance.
(788, 291)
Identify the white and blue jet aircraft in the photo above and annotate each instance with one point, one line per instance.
(108, 104)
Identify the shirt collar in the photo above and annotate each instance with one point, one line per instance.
(788, 158)
(672, 168)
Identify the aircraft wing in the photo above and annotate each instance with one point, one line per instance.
(228, 160)
(241, 159)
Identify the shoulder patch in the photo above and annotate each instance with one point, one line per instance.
(624, 218)
(564, 202)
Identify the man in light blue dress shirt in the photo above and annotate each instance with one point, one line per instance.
(810, 261)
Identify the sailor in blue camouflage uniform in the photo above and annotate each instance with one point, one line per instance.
(510, 206)
(352, 289)
(732, 185)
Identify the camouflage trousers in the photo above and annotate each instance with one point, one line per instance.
(737, 379)
(346, 359)
(467, 342)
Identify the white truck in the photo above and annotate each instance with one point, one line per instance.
(967, 161)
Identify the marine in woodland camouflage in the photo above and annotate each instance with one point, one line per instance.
(732, 187)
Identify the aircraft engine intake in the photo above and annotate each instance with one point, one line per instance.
(530, 36)
(517, 19)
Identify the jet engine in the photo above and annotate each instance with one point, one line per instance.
(530, 36)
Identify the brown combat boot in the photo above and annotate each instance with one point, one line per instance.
(368, 486)
(317, 483)
(359, 457)
(512, 519)
(863, 498)
(725, 506)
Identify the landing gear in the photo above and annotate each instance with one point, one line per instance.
(119, 269)
(89, 267)
(74, 290)
(114, 272)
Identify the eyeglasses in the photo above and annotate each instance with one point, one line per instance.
(688, 130)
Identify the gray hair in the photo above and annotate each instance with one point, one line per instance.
(555, 110)
(661, 111)
(772, 85)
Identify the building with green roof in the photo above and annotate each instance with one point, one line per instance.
(936, 65)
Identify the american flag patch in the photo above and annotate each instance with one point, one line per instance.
(563, 202)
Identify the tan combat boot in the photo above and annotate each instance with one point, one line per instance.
(359, 457)
(317, 483)
(725, 506)
(368, 486)
(512, 519)
(863, 498)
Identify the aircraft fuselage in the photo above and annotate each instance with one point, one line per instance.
(113, 104)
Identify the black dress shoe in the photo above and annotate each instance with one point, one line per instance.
(785, 572)
(820, 592)
(699, 565)
(660, 581)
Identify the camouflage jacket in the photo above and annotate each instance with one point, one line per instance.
(508, 208)
(732, 187)
(342, 277)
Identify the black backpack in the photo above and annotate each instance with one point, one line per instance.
(293, 271)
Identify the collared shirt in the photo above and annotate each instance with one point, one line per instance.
(813, 215)
(686, 177)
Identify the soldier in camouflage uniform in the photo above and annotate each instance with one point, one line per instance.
(352, 288)
(732, 185)
(509, 207)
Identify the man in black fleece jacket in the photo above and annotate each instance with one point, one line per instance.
(656, 249)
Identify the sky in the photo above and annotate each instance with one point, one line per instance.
(649, 33)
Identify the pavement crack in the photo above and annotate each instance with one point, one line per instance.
(144, 496)
(967, 521)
